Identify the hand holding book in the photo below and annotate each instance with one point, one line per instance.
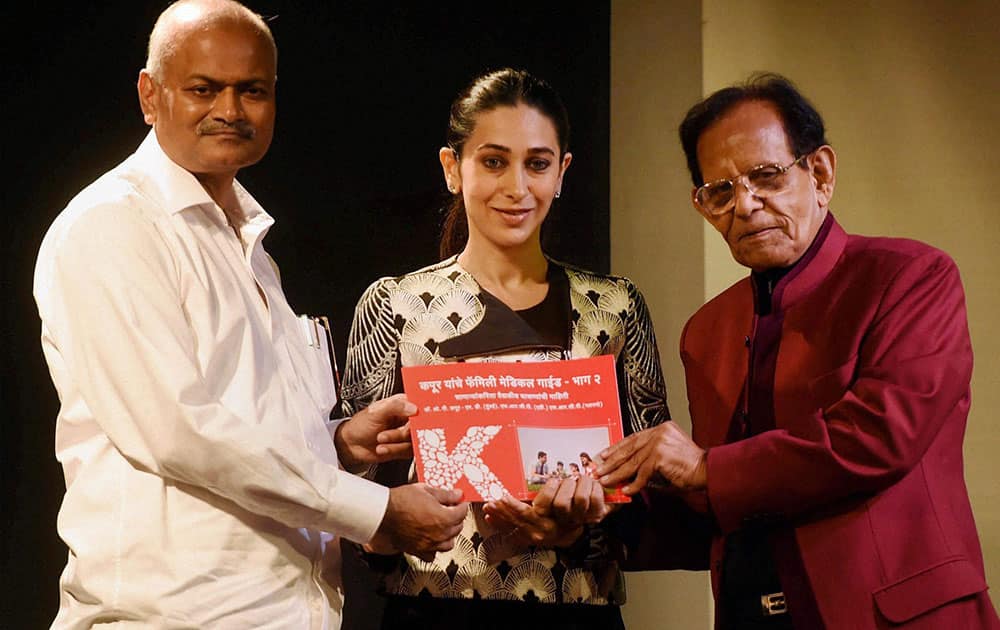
(555, 517)
(378, 433)
(662, 452)
(493, 429)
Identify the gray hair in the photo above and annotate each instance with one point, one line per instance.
(185, 15)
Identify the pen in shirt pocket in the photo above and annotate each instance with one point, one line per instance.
(319, 337)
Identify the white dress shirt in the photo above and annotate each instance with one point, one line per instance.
(200, 474)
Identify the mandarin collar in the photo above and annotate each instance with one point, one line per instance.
(797, 281)
(801, 281)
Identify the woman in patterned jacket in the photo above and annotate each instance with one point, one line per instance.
(497, 297)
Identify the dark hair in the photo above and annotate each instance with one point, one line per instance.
(803, 124)
(542, 454)
(587, 455)
(501, 88)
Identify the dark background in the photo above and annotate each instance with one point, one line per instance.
(352, 179)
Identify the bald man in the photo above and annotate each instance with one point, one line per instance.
(205, 485)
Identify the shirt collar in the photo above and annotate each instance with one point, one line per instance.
(178, 189)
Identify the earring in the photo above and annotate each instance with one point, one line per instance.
(558, 192)
(451, 188)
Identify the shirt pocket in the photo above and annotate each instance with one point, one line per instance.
(316, 352)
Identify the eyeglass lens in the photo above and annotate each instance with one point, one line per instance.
(761, 181)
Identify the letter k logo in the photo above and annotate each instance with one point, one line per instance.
(443, 469)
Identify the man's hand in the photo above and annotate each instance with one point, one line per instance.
(420, 520)
(378, 433)
(665, 449)
(554, 519)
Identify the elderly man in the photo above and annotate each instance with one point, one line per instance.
(202, 476)
(828, 394)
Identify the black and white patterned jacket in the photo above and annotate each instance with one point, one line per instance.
(440, 314)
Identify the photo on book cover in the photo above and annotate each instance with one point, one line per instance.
(561, 453)
(493, 428)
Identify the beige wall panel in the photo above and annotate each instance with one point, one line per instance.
(911, 94)
(656, 237)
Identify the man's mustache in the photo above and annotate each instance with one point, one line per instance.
(241, 127)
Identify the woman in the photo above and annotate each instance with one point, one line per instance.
(574, 470)
(496, 296)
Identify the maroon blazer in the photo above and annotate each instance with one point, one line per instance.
(871, 396)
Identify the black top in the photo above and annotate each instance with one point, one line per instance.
(755, 551)
(548, 317)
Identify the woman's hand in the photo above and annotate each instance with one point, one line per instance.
(554, 519)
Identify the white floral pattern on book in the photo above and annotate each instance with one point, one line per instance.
(443, 469)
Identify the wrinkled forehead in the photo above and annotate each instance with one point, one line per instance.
(749, 134)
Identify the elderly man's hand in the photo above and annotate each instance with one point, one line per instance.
(420, 520)
(378, 433)
(665, 449)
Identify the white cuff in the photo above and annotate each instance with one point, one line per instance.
(357, 507)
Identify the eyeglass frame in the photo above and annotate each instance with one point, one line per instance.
(743, 178)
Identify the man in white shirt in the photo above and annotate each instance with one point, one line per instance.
(202, 475)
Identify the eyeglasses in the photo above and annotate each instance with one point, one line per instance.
(716, 198)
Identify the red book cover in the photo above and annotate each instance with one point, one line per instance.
(493, 428)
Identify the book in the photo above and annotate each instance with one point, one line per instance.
(495, 428)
